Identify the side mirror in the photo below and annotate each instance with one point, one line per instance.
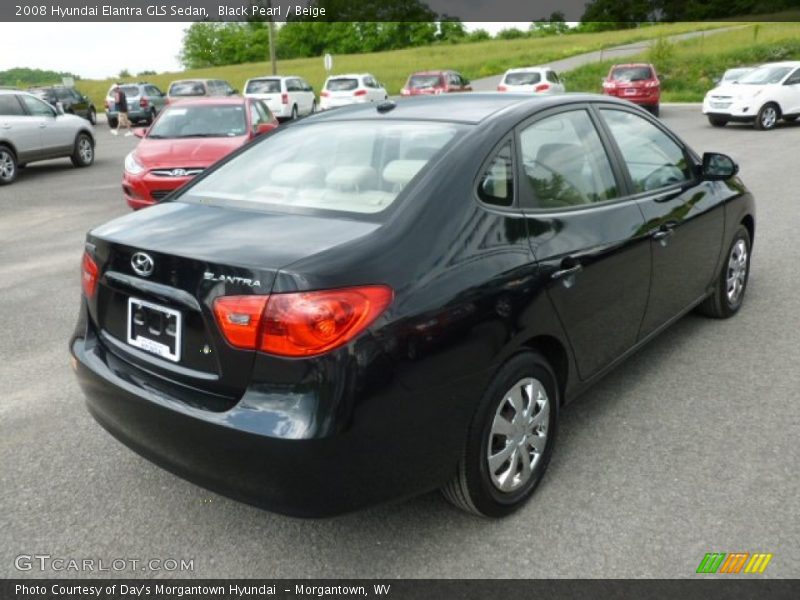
(140, 132)
(718, 167)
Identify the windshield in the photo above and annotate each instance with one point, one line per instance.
(425, 81)
(341, 85)
(765, 75)
(632, 74)
(734, 74)
(350, 166)
(213, 120)
(187, 88)
(263, 86)
(523, 78)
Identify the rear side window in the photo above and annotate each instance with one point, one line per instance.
(654, 159)
(356, 167)
(263, 86)
(342, 85)
(497, 183)
(10, 106)
(552, 77)
(565, 162)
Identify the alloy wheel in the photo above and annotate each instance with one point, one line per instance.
(85, 150)
(737, 271)
(769, 117)
(7, 168)
(518, 435)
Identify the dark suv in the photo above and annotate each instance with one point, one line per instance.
(72, 101)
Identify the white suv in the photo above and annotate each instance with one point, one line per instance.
(762, 96)
(288, 97)
(536, 80)
(358, 88)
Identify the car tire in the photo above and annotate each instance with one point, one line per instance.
(112, 123)
(731, 283)
(718, 121)
(294, 113)
(83, 152)
(655, 110)
(8, 166)
(768, 116)
(520, 403)
(313, 107)
(92, 116)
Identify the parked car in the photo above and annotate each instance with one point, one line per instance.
(763, 96)
(372, 303)
(31, 130)
(187, 138)
(145, 101)
(288, 97)
(435, 82)
(71, 100)
(637, 83)
(733, 75)
(358, 88)
(195, 88)
(534, 80)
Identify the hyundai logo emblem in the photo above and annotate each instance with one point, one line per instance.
(142, 264)
(178, 172)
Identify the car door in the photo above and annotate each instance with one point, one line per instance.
(57, 134)
(790, 104)
(586, 234)
(308, 96)
(20, 128)
(683, 215)
(80, 104)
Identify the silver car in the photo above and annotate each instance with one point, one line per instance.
(145, 101)
(31, 130)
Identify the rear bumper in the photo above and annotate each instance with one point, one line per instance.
(133, 115)
(391, 444)
(644, 98)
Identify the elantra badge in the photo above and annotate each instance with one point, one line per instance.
(142, 264)
(231, 279)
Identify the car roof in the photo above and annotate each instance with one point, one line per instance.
(435, 72)
(207, 100)
(639, 64)
(784, 63)
(529, 69)
(260, 77)
(470, 108)
(343, 75)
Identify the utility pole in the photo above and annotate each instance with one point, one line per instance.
(272, 41)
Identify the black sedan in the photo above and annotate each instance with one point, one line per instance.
(380, 301)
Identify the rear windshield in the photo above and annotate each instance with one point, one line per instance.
(632, 74)
(425, 81)
(207, 120)
(523, 78)
(187, 88)
(263, 86)
(349, 166)
(765, 75)
(130, 90)
(341, 85)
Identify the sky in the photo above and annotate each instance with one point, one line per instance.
(101, 50)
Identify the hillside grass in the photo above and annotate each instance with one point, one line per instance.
(689, 68)
(474, 60)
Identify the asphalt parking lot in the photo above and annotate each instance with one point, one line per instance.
(689, 447)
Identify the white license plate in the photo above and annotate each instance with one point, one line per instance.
(720, 104)
(630, 92)
(154, 328)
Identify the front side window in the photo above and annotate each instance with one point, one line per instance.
(654, 159)
(497, 183)
(206, 120)
(565, 162)
(36, 107)
(356, 167)
(793, 79)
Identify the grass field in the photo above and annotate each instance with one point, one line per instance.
(392, 68)
(689, 68)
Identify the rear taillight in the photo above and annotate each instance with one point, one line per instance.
(284, 98)
(300, 324)
(143, 103)
(88, 275)
(502, 88)
(360, 93)
(542, 87)
(324, 94)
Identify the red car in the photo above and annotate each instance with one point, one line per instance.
(636, 82)
(435, 82)
(187, 138)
